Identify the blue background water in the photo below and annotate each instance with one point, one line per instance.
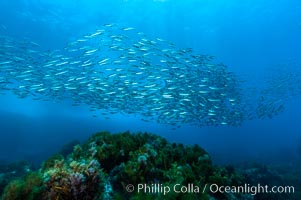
(250, 36)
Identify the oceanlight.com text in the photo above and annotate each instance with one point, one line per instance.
(251, 189)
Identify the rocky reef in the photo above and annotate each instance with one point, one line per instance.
(128, 166)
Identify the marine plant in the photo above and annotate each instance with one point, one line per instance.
(11, 171)
(102, 167)
(29, 187)
(75, 177)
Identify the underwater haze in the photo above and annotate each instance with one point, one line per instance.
(222, 74)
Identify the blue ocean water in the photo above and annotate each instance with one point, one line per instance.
(254, 39)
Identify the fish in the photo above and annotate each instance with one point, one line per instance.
(117, 70)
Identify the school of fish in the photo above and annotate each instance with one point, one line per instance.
(120, 70)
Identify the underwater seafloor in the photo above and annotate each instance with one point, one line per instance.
(155, 99)
(140, 166)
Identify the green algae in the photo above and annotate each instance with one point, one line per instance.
(106, 164)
